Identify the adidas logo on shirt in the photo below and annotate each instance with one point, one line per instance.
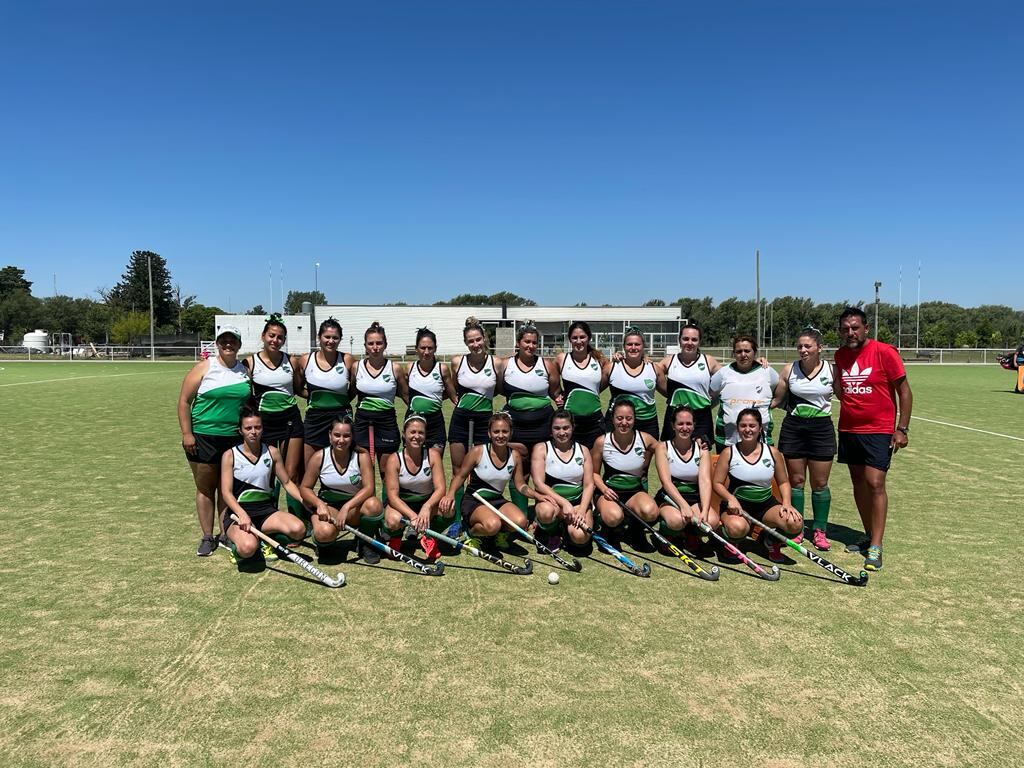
(853, 381)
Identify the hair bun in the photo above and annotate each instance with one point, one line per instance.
(471, 321)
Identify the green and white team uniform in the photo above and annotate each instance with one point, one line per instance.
(339, 484)
(489, 480)
(328, 399)
(253, 483)
(565, 476)
(624, 471)
(751, 481)
(528, 403)
(689, 384)
(414, 488)
(639, 389)
(807, 431)
(426, 397)
(219, 399)
(475, 389)
(685, 472)
(736, 391)
(376, 407)
(274, 391)
(582, 388)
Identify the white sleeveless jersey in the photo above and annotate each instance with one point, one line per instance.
(639, 389)
(810, 396)
(222, 393)
(328, 390)
(489, 479)
(426, 390)
(737, 391)
(685, 472)
(252, 481)
(689, 384)
(526, 390)
(751, 481)
(582, 386)
(564, 477)
(339, 484)
(273, 387)
(376, 393)
(624, 470)
(418, 485)
(475, 388)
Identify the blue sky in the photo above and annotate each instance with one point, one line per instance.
(567, 151)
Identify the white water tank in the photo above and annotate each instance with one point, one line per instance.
(37, 339)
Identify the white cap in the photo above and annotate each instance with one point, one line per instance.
(232, 329)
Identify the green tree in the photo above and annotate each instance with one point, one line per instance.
(257, 310)
(131, 294)
(130, 328)
(966, 339)
(478, 299)
(200, 319)
(12, 280)
(654, 303)
(19, 312)
(293, 304)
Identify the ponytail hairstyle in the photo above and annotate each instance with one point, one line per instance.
(275, 319)
(692, 325)
(812, 333)
(499, 416)
(376, 327)
(328, 324)
(425, 333)
(584, 326)
(472, 324)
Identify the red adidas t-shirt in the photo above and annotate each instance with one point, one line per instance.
(867, 400)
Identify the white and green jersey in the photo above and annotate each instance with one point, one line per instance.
(219, 399)
(737, 391)
(273, 387)
(426, 390)
(338, 485)
(475, 387)
(689, 383)
(252, 481)
(376, 393)
(490, 479)
(637, 388)
(751, 481)
(526, 390)
(564, 476)
(415, 486)
(685, 472)
(810, 396)
(582, 386)
(328, 390)
(624, 470)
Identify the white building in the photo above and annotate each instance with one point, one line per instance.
(251, 327)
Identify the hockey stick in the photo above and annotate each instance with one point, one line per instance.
(519, 570)
(427, 569)
(283, 551)
(711, 575)
(604, 545)
(575, 565)
(856, 581)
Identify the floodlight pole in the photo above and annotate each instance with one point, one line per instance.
(316, 276)
(757, 270)
(152, 341)
(878, 285)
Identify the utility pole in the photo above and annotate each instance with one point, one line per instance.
(757, 270)
(316, 276)
(899, 314)
(152, 341)
(917, 333)
(877, 286)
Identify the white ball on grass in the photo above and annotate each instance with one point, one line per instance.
(552, 578)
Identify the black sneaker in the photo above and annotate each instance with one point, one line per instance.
(207, 545)
(368, 553)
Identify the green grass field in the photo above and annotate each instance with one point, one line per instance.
(120, 647)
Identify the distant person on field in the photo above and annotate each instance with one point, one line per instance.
(1018, 360)
(869, 378)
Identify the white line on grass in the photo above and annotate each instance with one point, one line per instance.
(971, 429)
(72, 378)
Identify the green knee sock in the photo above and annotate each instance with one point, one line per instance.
(370, 525)
(459, 495)
(282, 538)
(797, 497)
(665, 531)
(551, 526)
(520, 501)
(820, 502)
(440, 524)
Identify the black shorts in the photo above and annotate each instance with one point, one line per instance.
(871, 450)
(210, 448)
(586, 429)
(258, 512)
(756, 509)
(437, 435)
(703, 426)
(281, 426)
(317, 427)
(385, 431)
(807, 438)
(663, 500)
(531, 427)
(470, 503)
(458, 428)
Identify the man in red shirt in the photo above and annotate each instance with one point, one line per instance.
(869, 378)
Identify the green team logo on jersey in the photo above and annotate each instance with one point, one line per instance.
(638, 451)
(436, 376)
(339, 369)
(766, 462)
(593, 365)
(387, 377)
(487, 371)
(541, 373)
(823, 379)
(510, 469)
(355, 479)
(579, 461)
(649, 383)
(700, 366)
(266, 462)
(697, 461)
(426, 471)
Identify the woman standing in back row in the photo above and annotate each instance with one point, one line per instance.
(322, 377)
(743, 384)
(430, 383)
(378, 381)
(636, 378)
(583, 379)
(688, 382)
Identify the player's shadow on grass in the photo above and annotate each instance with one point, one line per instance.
(299, 576)
(843, 535)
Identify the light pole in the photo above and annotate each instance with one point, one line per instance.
(877, 286)
(152, 344)
(316, 276)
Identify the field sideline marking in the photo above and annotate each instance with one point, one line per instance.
(72, 378)
(972, 429)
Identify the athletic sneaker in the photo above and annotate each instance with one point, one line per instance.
(224, 541)
(799, 538)
(820, 540)
(471, 541)
(502, 540)
(725, 556)
(395, 542)
(454, 530)
(367, 552)
(775, 552)
(431, 551)
(489, 544)
(638, 539)
(860, 546)
(873, 562)
(554, 542)
(269, 553)
(206, 546)
(693, 543)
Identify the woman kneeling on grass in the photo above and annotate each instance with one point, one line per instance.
(563, 481)
(346, 492)
(489, 468)
(749, 466)
(247, 474)
(684, 468)
(414, 479)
